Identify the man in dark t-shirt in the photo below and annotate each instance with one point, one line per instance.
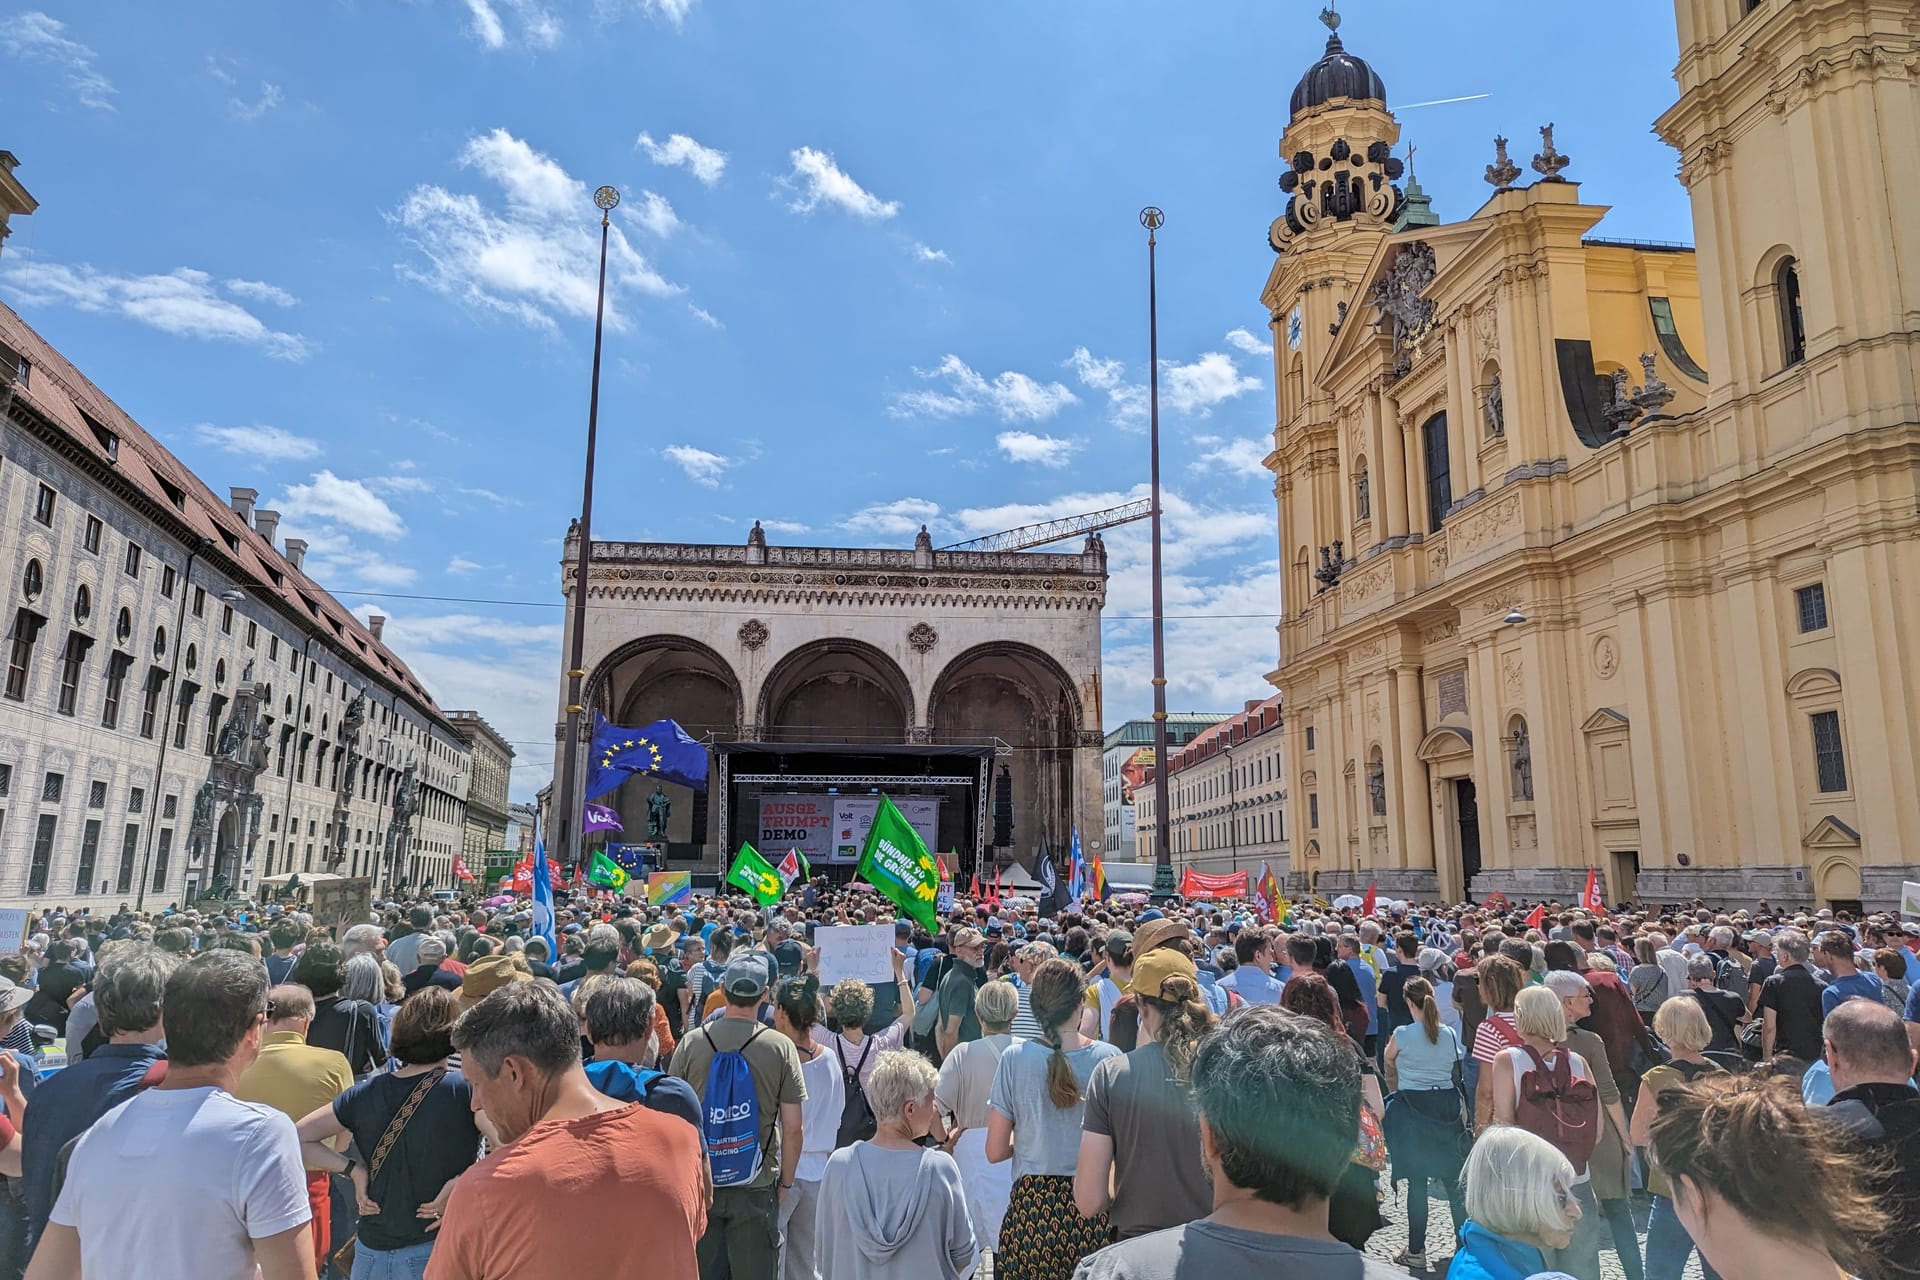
(1790, 1002)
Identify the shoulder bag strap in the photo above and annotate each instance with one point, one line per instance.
(398, 1125)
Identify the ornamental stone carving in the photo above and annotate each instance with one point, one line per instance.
(1400, 296)
(922, 637)
(1606, 657)
(753, 633)
(1484, 528)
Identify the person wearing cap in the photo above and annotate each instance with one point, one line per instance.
(1140, 1135)
(742, 1229)
(957, 1021)
(1123, 1029)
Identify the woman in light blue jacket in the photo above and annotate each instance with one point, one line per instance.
(1520, 1203)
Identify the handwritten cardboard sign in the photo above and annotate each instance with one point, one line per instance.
(862, 951)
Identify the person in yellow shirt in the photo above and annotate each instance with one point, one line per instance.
(294, 1077)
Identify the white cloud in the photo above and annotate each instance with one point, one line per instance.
(702, 466)
(922, 253)
(534, 260)
(261, 291)
(183, 302)
(1222, 597)
(269, 99)
(460, 565)
(268, 444)
(656, 215)
(705, 317)
(1126, 401)
(533, 24)
(349, 503)
(1011, 396)
(399, 484)
(789, 528)
(1242, 340)
(1024, 446)
(895, 519)
(488, 495)
(35, 37)
(817, 180)
(1197, 387)
(673, 11)
(706, 164)
(1242, 456)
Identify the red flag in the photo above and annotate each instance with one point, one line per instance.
(460, 871)
(1537, 917)
(996, 886)
(1590, 896)
(1366, 905)
(973, 888)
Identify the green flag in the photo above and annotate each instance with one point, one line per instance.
(603, 872)
(757, 876)
(897, 864)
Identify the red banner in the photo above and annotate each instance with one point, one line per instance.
(1200, 885)
(460, 871)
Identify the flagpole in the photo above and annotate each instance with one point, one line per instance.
(569, 806)
(1163, 889)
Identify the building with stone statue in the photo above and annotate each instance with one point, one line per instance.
(185, 710)
(965, 685)
(1598, 553)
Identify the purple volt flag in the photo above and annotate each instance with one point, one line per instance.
(600, 818)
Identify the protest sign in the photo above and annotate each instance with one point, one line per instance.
(861, 951)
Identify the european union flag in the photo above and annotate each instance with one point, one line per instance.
(661, 750)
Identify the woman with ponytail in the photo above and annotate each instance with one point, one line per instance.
(1426, 1129)
(1034, 1113)
(1141, 1134)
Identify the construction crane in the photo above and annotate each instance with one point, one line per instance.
(1029, 536)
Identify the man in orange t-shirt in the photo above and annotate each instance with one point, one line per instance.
(562, 1143)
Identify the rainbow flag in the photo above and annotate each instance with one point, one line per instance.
(1097, 879)
(665, 888)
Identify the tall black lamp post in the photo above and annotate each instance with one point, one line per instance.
(1163, 887)
(568, 804)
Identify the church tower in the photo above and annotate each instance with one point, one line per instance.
(1797, 125)
(1342, 201)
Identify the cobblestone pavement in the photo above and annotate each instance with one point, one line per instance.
(1392, 1238)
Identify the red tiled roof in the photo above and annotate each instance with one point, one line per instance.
(64, 396)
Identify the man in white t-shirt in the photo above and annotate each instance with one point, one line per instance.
(184, 1179)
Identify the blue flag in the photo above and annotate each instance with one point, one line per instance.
(543, 897)
(1076, 871)
(661, 750)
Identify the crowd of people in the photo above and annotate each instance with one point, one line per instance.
(1115, 1092)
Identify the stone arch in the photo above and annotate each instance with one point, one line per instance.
(836, 690)
(1446, 742)
(1837, 879)
(1022, 696)
(657, 677)
(1812, 681)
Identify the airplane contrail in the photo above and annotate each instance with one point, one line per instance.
(1441, 102)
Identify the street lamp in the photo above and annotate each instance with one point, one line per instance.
(1163, 889)
(1514, 617)
(606, 199)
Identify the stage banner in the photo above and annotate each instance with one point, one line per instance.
(667, 888)
(797, 822)
(853, 818)
(1199, 885)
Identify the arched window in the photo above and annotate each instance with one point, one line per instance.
(1793, 322)
(1433, 438)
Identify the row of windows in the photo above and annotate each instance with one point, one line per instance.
(119, 878)
(1254, 828)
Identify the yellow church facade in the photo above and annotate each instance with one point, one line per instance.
(1602, 554)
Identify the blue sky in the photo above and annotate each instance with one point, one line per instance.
(877, 264)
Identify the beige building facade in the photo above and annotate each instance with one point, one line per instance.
(1227, 789)
(900, 651)
(183, 707)
(1601, 554)
(489, 779)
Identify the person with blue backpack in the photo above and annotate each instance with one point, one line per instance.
(748, 1079)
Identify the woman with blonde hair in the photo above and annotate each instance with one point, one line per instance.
(1034, 1117)
(1682, 1026)
(1424, 1124)
(1542, 1082)
(1157, 1175)
(890, 1207)
(1520, 1207)
(1753, 1214)
(1501, 980)
(966, 1078)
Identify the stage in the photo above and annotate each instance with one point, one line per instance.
(819, 798)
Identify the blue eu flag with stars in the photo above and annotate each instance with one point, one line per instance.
(661, 750)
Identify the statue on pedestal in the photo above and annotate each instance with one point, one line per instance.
(658, 809)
